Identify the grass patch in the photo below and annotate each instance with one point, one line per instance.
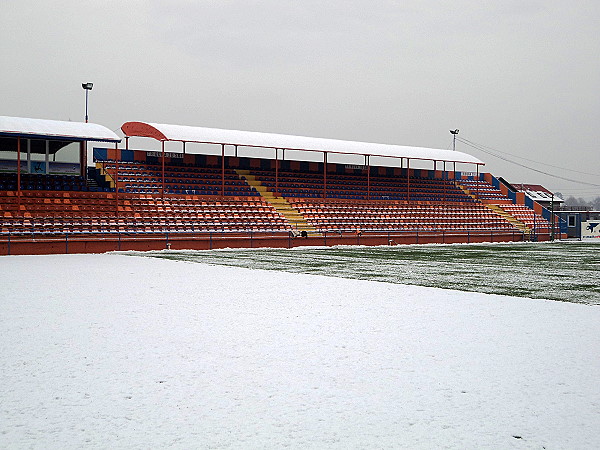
(565, 271)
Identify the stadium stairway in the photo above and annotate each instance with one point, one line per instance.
(509, 217)
(105, 175)
(465, 190)
(291, 214)
(495, 206)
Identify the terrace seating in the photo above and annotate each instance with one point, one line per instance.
(8, 182)
(357, 187)
(142, 178)
(335, 215)
(192, 203)
(528, 217)
(484, 190)
(91, 212)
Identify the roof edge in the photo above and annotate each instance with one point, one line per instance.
(142, 129)
(203, 135)
(55, 129)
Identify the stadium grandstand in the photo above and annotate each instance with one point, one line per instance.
(242, 189)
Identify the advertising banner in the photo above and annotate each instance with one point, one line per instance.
(590, 229)
(39, 167)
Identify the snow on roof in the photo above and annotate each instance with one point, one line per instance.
(542, 196)
(49, 129)
(165, 132)
(538, 193)
(532, 187)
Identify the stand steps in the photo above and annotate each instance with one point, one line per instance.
(292, 215)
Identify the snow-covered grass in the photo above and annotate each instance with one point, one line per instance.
(565, 271)
(116, 351)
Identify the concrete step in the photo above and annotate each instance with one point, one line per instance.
(281, 205)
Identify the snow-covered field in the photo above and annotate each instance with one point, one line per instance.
(117, 351)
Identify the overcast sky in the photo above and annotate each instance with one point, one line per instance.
(519, 76)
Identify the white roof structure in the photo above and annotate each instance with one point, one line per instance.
(164, 132)
(58, 129)
(542, 196)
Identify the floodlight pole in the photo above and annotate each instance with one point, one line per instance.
(87, 87)
(454, 133)
(86, 105)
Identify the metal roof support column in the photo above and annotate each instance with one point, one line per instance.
(444, 180)
(183, 147)
(28, 155)
(236, 155)
(408, 179)
(477, 184)
(117, 158)
(82, 160)
(222, 170)
(276, 173)
(47, 160)
(126, 142)
(19, 173)
(324, 174)
(401, 167)
(162, 145)
(368, 164)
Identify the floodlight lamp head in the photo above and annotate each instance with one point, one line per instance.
(454, 131)
(87, 86)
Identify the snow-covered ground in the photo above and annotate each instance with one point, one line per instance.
(116, 351)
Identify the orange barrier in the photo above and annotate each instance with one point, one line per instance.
(67, 244)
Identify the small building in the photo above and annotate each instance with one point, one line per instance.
(582, 222)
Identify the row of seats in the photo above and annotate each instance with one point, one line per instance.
(358, 186)
(148, 179)
(8, 182)
(325, 216)
(527, 216)
(483, 190)
(491, 194)
(193, 202)
(58, 212)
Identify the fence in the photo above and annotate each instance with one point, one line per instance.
(73, 242)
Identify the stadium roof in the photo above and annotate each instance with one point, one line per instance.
(164, 132)
(538, 193)
(55, 129)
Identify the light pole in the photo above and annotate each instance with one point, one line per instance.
(87, 87)
(454, 133)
